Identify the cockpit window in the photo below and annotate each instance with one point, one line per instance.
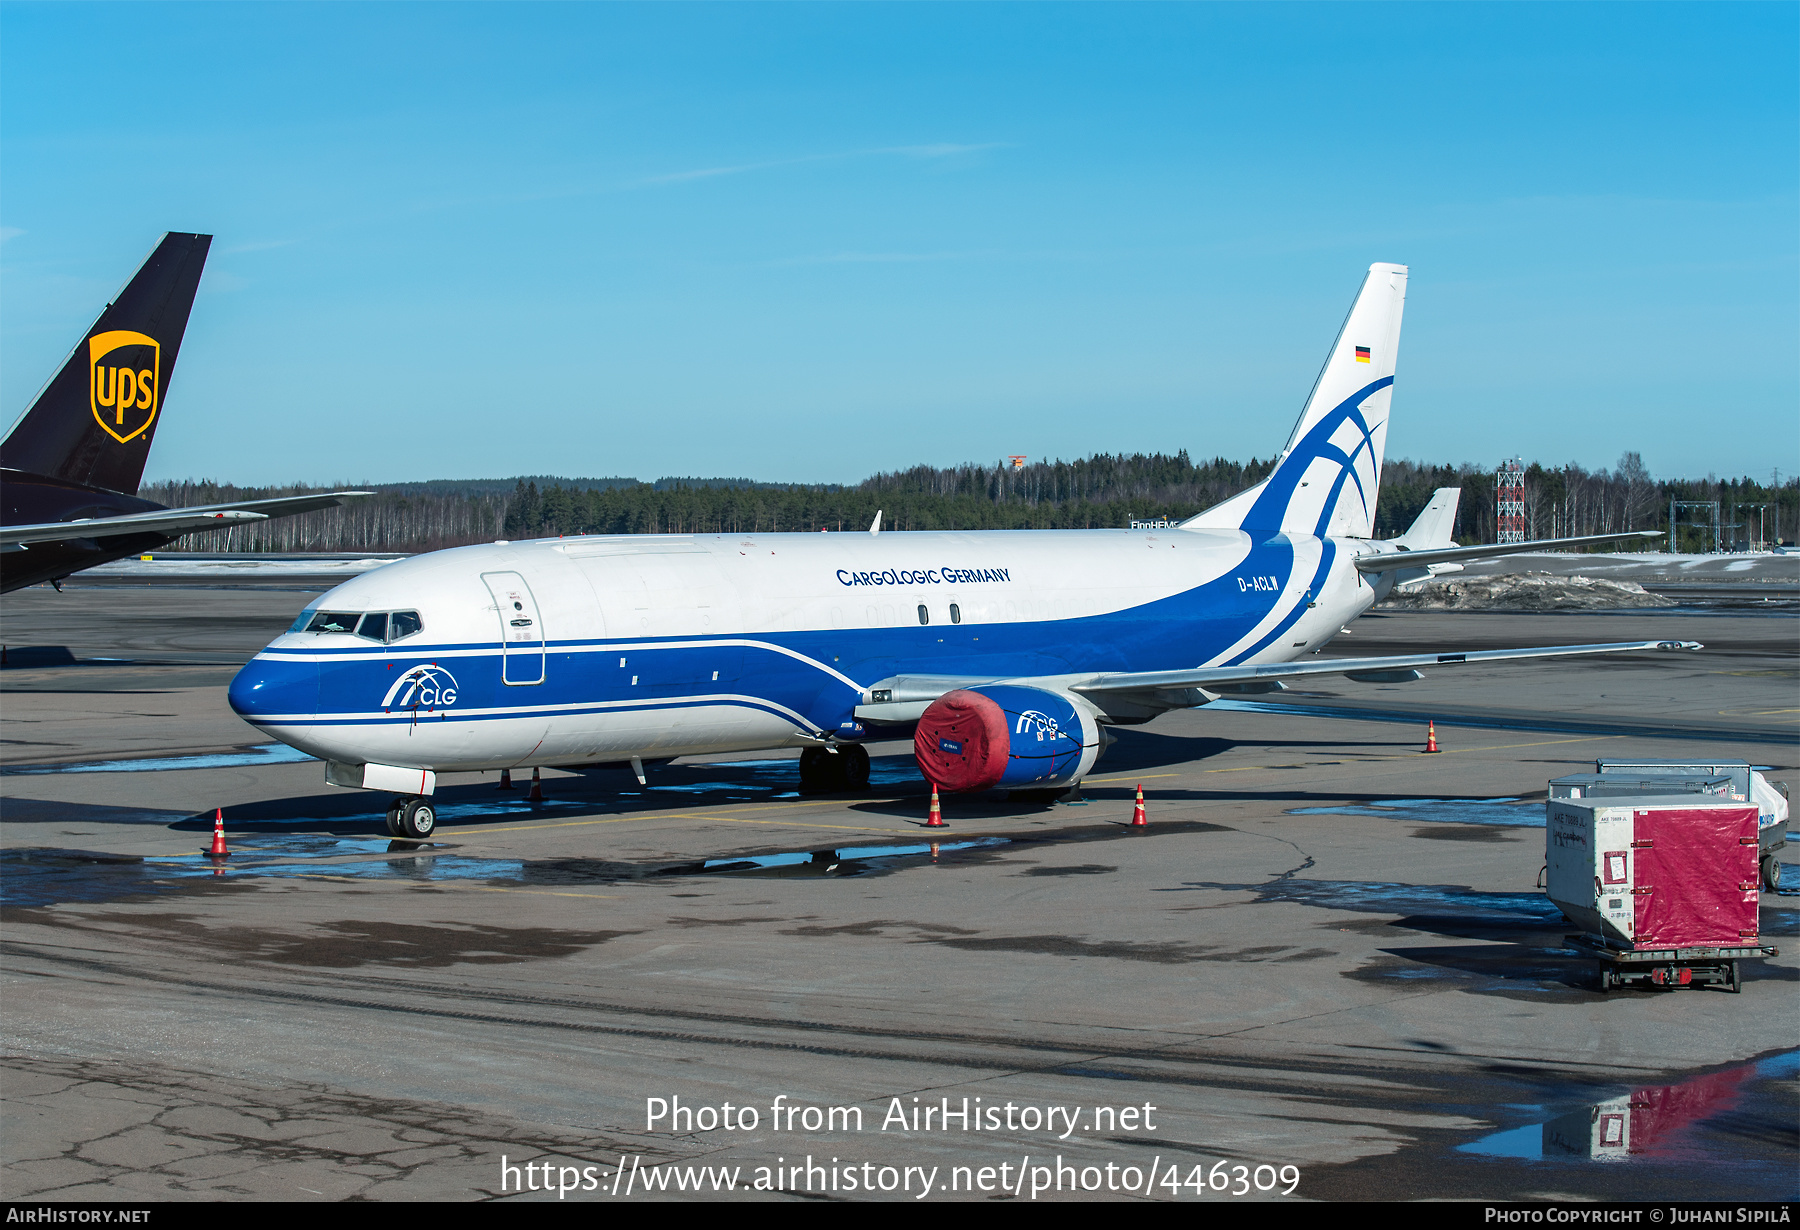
(332, 621)
(384, 627)
(403, 624)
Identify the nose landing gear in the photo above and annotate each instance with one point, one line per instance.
(411, 819)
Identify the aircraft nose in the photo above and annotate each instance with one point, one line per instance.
(265, 688)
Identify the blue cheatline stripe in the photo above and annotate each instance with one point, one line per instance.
(1325, 558)
(1266, 515)
(406, 718)
(814, 675)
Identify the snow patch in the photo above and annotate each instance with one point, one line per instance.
(1530, 591)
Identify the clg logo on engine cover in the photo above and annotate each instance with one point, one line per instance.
(423, 687)
(124, 379)
(1042, 723)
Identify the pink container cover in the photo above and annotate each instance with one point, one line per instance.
(1696, 876)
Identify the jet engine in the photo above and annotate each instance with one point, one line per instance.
(1006, 736)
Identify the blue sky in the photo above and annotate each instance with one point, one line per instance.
(810, 242)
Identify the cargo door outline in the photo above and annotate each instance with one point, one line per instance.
(521, 629)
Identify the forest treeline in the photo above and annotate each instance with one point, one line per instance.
(1103, 490)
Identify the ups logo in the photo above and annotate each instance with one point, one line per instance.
(124, 370)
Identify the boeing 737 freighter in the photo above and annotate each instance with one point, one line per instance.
(1008, 653)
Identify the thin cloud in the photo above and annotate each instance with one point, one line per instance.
(680, 177)
(9, 232)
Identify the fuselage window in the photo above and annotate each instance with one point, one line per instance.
(403, 624)
(955, 613)
(924, 614)
(373, 627)
(332, 621)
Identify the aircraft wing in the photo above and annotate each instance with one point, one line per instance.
(1389, 561)
(171, 521)
(1397, 666)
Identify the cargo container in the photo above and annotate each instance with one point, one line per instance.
(1646, 766)
(1611, 785)
(1747, 785)
(1663, 887)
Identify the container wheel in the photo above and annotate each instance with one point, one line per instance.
(1771, 873)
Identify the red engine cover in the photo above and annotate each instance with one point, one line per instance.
(962, 742)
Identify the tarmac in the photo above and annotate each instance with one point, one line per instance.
(1325, 959)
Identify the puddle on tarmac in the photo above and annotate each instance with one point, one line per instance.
(1409, 900)
(266, 753)
(50, 877)
(1697, 1122)
(1454, 811)
(43, 877)
(848, 861)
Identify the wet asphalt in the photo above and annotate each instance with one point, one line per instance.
(1326, 950)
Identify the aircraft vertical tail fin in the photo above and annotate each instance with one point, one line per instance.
(92, 424)
(1434, 529)
(1326, 479)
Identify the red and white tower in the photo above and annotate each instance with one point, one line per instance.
(1509, 500)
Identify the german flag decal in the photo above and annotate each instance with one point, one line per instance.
(1362, 354)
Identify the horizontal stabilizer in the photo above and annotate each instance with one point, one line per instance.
(172, 521)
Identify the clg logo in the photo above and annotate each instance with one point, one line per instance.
(123, 375)
(429, 686)
(1043, 723)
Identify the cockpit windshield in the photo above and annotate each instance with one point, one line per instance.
(384, 627)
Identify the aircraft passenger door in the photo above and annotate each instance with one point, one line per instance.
(521, 629)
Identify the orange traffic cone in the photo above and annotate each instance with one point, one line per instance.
(537, 789)
(218, 846)
(505, 780)
(1138, 820)
(936, 819)
(1431, 736)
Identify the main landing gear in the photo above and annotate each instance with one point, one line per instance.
(411, 819)
(827, 772)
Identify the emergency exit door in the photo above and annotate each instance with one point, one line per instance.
(521, 629)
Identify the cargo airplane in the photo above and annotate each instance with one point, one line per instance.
(1008, 654)
(69, 469)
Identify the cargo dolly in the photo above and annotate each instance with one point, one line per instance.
(1669, 967)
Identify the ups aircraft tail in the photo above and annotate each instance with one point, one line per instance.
(1326, 478)
(93, 423)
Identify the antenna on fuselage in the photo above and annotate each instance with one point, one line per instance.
(875, 525)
